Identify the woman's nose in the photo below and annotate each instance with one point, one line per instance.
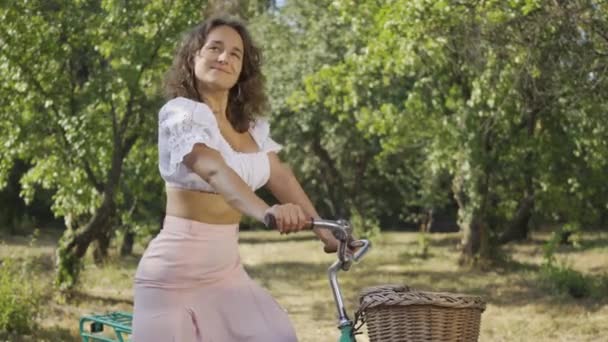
(223, 57)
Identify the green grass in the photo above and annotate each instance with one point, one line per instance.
(294, 270)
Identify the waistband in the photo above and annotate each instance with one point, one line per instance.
(197, 228)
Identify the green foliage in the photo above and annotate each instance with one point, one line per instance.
(76, 109)
(557, 238)
(364, 227)
(336, 162)
(386, 108)
(71, 265)
(502, 99)
(94, 89)
(561, 279)
(20, 299)
(423, 244)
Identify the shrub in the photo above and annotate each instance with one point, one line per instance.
(560, 278)
(364, 227)
(565, 280)
(19, 299)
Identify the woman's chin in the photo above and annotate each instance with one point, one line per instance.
(217, 85)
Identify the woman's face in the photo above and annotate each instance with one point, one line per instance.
(218, 64)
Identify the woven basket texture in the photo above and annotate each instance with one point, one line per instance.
(398, 313)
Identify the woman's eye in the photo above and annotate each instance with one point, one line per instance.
(236, 55)
(213, 48)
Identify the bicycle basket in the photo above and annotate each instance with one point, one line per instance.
(398, 313)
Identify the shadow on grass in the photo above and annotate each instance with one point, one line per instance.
(78, 297)
(450, 242)
(297, 273)
(124, 262)
(522, 288)
(40, 335)
(589, 241)
(586, 244)
(46, 238)
(511, 285)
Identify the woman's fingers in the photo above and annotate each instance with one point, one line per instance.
(292, 212)
(303, 220)
(286, 219)
(289, 218)
(282, 219)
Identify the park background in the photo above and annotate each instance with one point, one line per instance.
(468, 139)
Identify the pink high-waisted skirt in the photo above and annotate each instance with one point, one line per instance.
(190, 285)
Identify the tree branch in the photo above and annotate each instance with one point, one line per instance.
(69, 156)
(158, 37)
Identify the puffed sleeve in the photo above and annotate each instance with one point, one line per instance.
(182, 124)
(261, 133)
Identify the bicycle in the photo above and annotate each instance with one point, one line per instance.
(120, 322)
(343, 232)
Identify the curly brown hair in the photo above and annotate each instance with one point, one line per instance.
(247, 99)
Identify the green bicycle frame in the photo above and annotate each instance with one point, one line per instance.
(346, 334)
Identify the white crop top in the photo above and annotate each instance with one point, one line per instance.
(184, 122)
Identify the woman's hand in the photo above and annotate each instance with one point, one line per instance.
(289, 218)
(331, 246)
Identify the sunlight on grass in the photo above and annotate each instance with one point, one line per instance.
(294, 268)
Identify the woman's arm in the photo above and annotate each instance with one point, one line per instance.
(286, 188)
(209, 165)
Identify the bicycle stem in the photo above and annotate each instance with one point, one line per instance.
(335, 289)
(342, 231)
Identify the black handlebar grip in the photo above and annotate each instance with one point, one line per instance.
(270, 221)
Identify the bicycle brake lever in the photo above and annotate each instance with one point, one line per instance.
(345, 261)
(363, 249)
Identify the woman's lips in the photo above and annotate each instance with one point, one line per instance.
(220, 69)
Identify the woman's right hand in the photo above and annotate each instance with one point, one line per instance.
(289, 218)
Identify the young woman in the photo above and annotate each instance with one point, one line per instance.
(215, 150)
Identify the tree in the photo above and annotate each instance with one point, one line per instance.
(81, 84)
(332, 155)
(244, 9)
(504, 98)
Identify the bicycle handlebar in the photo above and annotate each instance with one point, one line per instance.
(341, 230)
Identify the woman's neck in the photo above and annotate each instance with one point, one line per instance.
(218, 102)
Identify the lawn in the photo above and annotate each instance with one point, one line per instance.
(293, 268)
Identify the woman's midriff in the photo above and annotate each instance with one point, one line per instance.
(200, 206)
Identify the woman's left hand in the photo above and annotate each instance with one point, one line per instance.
(332, 246)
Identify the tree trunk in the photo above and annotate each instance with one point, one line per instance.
(102, 244)
(127, 243)
(564, 237)
(74, 244)
(518, 229)
(426, 223)
(471, 241)
(333, 178)
(473, 216)
(468, 221)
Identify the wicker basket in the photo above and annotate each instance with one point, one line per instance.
(397, 313)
